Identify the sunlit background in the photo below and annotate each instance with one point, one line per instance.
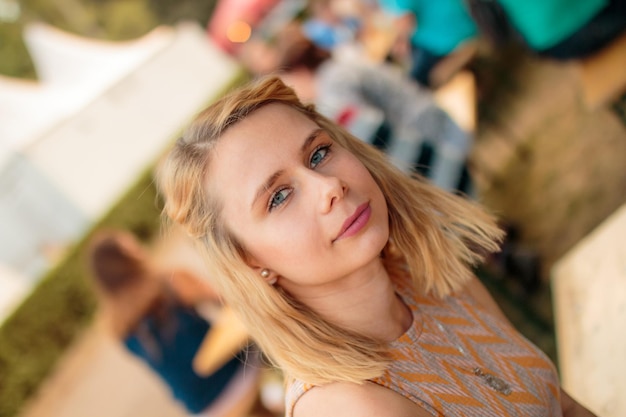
(93, 92)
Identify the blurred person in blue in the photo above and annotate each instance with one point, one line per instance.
(565, 29)
(329, 28)
(367, 97)
(153, 313)
(433, 29)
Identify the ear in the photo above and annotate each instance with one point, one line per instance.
(267, 274)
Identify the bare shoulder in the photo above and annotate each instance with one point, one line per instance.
(352, 400)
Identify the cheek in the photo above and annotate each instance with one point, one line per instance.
(279, 243)
(299, 253)
(353, 164)
(361, 175)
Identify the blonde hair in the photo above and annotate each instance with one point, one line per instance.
(435, 238)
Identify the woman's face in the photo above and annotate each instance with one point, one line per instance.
(303, 207)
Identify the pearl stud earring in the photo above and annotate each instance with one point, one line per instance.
(265, 273)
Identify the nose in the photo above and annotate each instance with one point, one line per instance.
(330, 188)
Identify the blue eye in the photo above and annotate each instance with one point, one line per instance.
(278, 198)
(319, 155)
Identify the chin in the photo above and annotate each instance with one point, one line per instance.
(377, 242)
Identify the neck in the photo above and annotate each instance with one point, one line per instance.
(365, 303)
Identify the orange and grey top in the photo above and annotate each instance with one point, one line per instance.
(457, 359)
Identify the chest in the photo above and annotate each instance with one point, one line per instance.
(456, 361)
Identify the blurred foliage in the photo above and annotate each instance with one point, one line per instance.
(37, 333)
(115, 20)
(14, 58)
(171, 12)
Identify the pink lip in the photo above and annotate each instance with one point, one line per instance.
(355, 222)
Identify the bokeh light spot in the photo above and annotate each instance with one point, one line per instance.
(238, 31)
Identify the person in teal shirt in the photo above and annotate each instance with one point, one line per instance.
(566, 29)
(441, 27)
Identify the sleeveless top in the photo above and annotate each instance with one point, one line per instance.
(457, 359)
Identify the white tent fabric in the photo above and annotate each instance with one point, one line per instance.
(71, 60)
(106, 145)
(27, 108)
(76, 141)
(72, 71)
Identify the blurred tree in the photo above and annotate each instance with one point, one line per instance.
(173, 11)
(127, 19)
(14, 58)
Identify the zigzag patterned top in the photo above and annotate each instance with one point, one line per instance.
(457, 359)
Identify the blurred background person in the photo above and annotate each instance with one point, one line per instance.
(564, 29)
(331, 23)
(352, 26)
(430, 32)
(153, 314)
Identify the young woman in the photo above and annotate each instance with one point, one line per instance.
(353, 277)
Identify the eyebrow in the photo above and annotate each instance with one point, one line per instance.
(269, 183)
